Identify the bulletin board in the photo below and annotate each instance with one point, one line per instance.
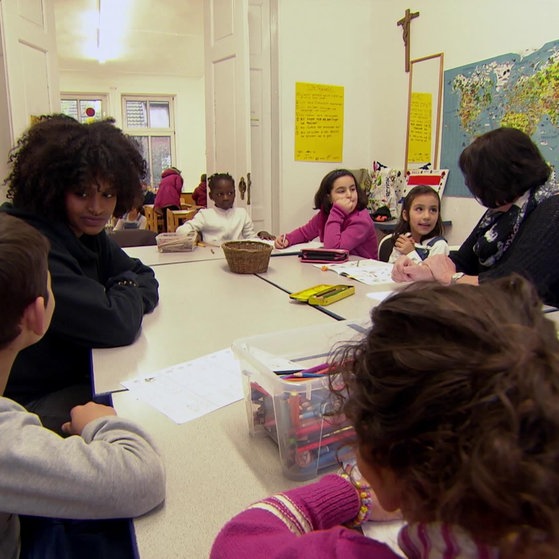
(319, 122)
(424, 111)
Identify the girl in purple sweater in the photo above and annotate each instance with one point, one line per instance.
(453, 394)
(343, 220)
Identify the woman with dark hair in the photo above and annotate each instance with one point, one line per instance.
(519, 232)
(453, 394)
(67, 180)
(343, 220)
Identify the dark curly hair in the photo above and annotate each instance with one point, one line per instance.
(501, 165)
(456, 390)
(58, 154)
(212, 181)
(321, 198)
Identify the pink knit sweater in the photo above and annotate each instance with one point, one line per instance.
(305, 523)
(354, 232)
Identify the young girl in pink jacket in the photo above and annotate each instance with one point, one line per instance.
(343, 220)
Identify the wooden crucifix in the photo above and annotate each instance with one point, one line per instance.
(405, 23)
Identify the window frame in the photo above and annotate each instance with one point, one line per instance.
(149, 131)
(102, 97)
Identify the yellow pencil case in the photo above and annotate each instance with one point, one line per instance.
(323, 294)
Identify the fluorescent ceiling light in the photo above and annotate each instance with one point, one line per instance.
(112, 28)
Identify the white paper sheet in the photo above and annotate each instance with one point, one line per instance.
(370, 272)
(191, 389)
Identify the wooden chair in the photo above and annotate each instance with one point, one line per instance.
(385, 248)
(175, 218)
(154, 220)
(186, 199)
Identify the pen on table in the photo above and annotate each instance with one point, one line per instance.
(319, 369)
(300, 374)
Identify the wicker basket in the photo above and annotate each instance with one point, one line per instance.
(247, 257)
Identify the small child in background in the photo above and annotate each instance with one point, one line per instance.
(134, 219)
(109, 469)
(343, 220)
(200, 195)
(418, 235)
(168, 195)
(224, 222)
(453, 394)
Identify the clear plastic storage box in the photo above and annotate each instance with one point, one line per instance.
(294, 411)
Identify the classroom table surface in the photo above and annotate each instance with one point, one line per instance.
(215, 469)
(151, 256)
(203, 308)
(291, 275)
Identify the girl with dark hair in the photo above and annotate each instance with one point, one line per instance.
(67, 180)
(519, 232)
(419, 232)
(453, 394)
(343, 220)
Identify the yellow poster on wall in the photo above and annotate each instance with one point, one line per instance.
(420, 131)
(319, 122)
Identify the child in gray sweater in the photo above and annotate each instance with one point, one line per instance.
(107, 467)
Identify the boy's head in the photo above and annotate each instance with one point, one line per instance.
(27, 300)
(454, 395)
(222, 190)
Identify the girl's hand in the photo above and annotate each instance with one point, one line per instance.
(281, 242)
(404, 244)
(346, 204)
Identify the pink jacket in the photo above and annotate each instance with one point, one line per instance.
(200, 195)
(354, 232)
(169, 191)
(302, 523)
(306, 523)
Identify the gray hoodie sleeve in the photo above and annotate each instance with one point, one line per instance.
(112, 471)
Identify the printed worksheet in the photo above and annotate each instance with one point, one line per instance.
(368, 271)
(191, 389)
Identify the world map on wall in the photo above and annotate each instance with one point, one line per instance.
(509, 90)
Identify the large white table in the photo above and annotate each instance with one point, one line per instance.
(203, 308)
(150, 256)
(214, 467)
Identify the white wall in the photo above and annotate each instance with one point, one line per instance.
(327, 42)
(357, 44)
(189, 111)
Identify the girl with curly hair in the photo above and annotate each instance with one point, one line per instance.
(454, 397)
(67, 180)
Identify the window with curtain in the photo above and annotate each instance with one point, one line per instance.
(151, 121)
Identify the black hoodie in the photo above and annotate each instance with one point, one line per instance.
(92, 308)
